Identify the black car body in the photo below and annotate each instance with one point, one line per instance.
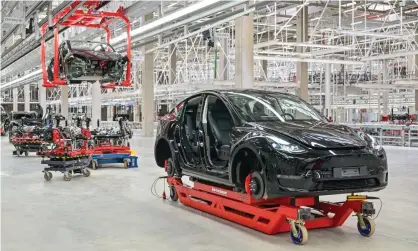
(89, 61)
(224, 137)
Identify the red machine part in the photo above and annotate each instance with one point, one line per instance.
(267, 216)
(83, 18)
(109, 148)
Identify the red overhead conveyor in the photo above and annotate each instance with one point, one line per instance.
(87, 17)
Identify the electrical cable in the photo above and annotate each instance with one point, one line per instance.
(380, 209)
(154, 186)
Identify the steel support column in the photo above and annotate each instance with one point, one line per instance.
(64, 101)
(148, 89)
(26, 95)
(327, 111)
(385, 93)
(244, 52)
(15, 96)
(42, 96)
(222, 70)
(96, 104)
(264, 66)
(302, 67)
(172, 52)
(416, 77)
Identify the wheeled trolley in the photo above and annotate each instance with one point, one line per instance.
(286, 214)
(25, 149)
(128, 160)
(68, 167)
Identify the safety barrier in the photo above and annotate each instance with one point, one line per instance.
(389, 134)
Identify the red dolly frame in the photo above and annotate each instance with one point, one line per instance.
(286, 214)
(83, 18)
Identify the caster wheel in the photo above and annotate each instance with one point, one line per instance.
(369, 227)
(68, 176)
(302, 235)
(47, 175)
(93, 165)
(26, 153)
(18, 153)
(86, 172)
(125, 163)
(173, 194)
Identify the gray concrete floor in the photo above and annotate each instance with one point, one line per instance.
(113, 209)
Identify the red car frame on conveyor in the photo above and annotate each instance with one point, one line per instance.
(70, 16)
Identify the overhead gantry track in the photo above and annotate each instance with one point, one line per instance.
(31, 43)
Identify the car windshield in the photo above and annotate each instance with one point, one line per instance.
(17, 116)
(259, 107)
(91, 46)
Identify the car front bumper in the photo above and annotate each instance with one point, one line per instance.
(308, 178)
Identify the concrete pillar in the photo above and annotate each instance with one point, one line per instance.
(26, 96)
(264, 67)
(172, 52)
(302, 67)
(350, 115)
(244, 52)
(96, 104)
(15, 95)
(222, 70)
(416, 77)
(148, 90)
(327, 111)
(64, 102)
(42, 96)
(385, 80)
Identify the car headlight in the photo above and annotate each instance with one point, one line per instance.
(286, 146)
(374, 143)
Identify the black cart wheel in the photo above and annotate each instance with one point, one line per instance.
(86, 172)
(18, 153)
(256, 185)
(47, 175)
(68, 176)
(173, 194)
(26, 153)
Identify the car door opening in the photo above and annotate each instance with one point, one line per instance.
(219, 128)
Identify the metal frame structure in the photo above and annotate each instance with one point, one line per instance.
(363, 42)
(82, 18)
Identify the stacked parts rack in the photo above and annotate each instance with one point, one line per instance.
(286, 214)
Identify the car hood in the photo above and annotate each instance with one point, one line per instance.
(316, 134)
(98, 55)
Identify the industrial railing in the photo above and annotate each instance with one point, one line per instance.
(387, 134)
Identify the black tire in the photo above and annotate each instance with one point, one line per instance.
(173, 194)
(171, 168)
(26, 153)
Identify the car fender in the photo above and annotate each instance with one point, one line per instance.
(249, 145)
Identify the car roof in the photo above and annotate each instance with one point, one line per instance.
(250, 91)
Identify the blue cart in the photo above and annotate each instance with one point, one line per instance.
(127, 160)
